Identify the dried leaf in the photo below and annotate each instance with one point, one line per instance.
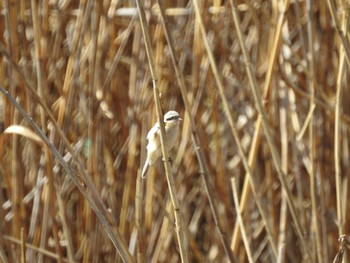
(24, 131)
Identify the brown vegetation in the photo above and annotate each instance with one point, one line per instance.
(260, 172)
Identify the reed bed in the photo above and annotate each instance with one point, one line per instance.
(260, 171)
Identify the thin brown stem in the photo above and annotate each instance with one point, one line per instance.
(169, 175)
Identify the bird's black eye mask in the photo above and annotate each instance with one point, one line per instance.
(173, 118)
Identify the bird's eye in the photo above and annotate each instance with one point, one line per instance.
(173, 118)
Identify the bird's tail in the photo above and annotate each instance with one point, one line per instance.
(145, 169)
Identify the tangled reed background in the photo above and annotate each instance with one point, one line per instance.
(259, 174)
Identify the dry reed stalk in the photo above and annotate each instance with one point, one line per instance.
(30, 246)
(196, 142)
(318, 101)
(129, 185)
(85, 178)
(79, 68)
(65, 225)
(284, 164)
(23, 246)
(240, 222)
(339, 30)
(234, 131)
(170, 179)
(115, 236)
(256, 139)
(163, 241)
(16, 183)
(40, 48)
(51, 201)
(274, 153)
(312, 85)
(337, 128)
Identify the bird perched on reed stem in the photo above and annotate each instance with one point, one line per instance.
(154, 150)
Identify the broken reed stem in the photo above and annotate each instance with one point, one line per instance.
(23, 246)
(45, 252)
(273, 150)
(168, 172)
(203, 166)
(113, 235)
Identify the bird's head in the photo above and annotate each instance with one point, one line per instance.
(171, 118)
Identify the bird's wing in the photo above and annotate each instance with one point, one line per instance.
(153, 132)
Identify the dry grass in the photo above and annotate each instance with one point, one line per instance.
(262, 88)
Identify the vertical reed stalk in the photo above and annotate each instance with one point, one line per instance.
(168, 172)
(337, 129)
(273, 150)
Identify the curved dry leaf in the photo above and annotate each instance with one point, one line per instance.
(21, 130)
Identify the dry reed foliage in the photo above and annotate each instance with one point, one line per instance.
(80, 70)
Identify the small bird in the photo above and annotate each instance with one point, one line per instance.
(154, 150)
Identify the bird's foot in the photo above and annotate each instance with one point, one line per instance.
(169, 160)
